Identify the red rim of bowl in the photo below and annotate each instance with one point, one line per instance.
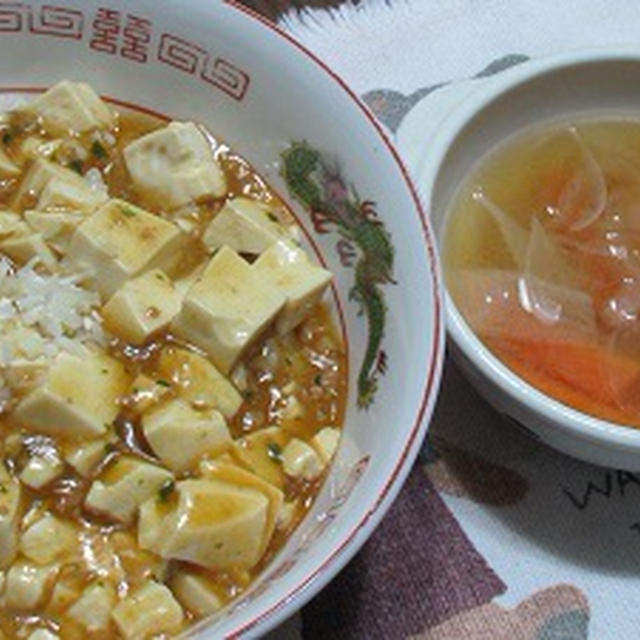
(308, 586)
(344, 551)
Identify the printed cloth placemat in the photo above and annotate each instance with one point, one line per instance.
(494, 536)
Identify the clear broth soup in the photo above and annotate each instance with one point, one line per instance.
(541, 250)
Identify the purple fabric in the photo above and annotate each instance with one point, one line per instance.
(418, 562)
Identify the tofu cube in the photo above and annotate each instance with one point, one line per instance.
(124, 486)
(176, 165)
(71, 107)
(43, 634)
(212, 524)
(67, 589)
(325, 442)
(261, 451)
(290, 271)
(120, 241)
(234, 475)
(23, 375)
(22, 249)
(55, 227)
(92, 610)
(79, 398)
(142, 306)
(227, 309)
(198, 381)
(40, 173)
(27, 585)
(10, 494)
(85, 457)
(246, 226)
(185, 282)
(196, 593)
(199, 434)
(12, 226)
(287, 514)
(49, 539)
(8, 168)
(35, 147)
(145, 392)
(149, 611)
(125, 545)
(41, 470)
(70, 193)
(300, 460)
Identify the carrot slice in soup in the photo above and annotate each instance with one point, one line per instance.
(577, 373)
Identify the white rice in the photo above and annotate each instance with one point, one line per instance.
(42, 315)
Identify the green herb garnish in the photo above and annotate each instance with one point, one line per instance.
(127, 211)
(68, 332)
(77, 166)
(166, 490)
(274, 451)
(317, 380)
(98, 150)
(272, 216)
(163, 383)
(7, 137)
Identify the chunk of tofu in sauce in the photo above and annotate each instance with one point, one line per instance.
(99, 575)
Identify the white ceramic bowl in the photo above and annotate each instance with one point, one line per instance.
(485, 114)
(216, 63)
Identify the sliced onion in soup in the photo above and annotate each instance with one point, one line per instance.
(490, 303)
(622, 309)
(584, 196)
(623, 204)
(544, 264)
(514, 235)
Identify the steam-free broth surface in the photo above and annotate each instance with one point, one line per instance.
(118, 509)
(541, 249)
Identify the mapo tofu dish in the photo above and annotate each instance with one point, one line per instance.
(172, 385)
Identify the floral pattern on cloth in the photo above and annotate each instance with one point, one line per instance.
(557, 613)
(420, 578)
(391, 106)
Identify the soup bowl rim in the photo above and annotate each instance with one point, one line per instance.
(579, 425)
